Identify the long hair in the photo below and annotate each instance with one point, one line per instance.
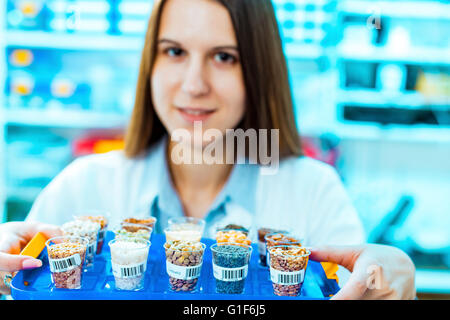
(269, 98)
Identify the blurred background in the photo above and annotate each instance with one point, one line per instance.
(371, 82)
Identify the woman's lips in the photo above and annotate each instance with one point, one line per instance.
(195, 114)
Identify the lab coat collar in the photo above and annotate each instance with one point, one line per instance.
(238, 194)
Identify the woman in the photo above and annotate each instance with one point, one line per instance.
(214, 66)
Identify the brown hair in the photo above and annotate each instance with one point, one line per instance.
(269, 99)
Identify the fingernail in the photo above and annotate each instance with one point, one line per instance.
(31, 263)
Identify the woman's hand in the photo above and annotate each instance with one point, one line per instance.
(13, 238)
(378, 271)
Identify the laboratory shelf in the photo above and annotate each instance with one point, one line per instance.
(412, 55)
(398, 9)
(22, 194)
(74, 41)
(124, 43)
(363, 131)
(379, 98)
(65, 119)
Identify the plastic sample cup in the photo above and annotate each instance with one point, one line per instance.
(129, 263)
(287, 269)
(237, 227)
(133, 231)
(230, 266)
(85, 229)
(185, 228)
(100, 218)
(149, 222)
(184, 261)
(182, 234)
(232, 236)
(262, 232)
(66, 256)
(278, 239)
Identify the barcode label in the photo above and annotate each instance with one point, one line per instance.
(128, 271)
(287, 278)
(230, 274)
(65, 264)
(182, 272)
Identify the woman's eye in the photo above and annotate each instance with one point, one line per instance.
(174, 52)
(224, 57)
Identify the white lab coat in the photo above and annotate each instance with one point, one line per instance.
(305, 195)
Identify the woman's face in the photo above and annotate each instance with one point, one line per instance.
(197, 75)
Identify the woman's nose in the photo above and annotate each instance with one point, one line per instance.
(195, 82)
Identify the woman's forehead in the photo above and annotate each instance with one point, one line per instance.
(197, 22)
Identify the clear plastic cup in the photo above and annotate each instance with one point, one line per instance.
(232, 236)
(244, 228)
(100, 217)
(85, 229)
(132, 231)
(280, 238)
(184, 260)
(230, 266)
(262, 232)
(148, 221)
(129, 263)
(185, 227)
(180, 234)
(287, 269)
(66, 256)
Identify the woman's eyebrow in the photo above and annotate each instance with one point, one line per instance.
(168, 40)
(225, 47)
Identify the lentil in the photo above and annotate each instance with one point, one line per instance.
(183, 262)
(66, 260)
(262, 232)
(287, 269)
(230, 266)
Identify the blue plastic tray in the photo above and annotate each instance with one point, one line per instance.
(99, 282)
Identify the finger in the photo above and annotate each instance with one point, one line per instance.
(345, 256)
(49, 230)
(355, 288)
(29, 229)
(10, 262)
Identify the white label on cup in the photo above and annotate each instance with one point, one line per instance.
(262, 248)
(65, 264)
(230, 274)
(287, 278)
(183, 272)
(128, 270)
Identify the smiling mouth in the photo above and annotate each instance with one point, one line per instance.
(196, 111)
(192, 115)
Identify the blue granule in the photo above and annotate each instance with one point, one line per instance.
(230, 257)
